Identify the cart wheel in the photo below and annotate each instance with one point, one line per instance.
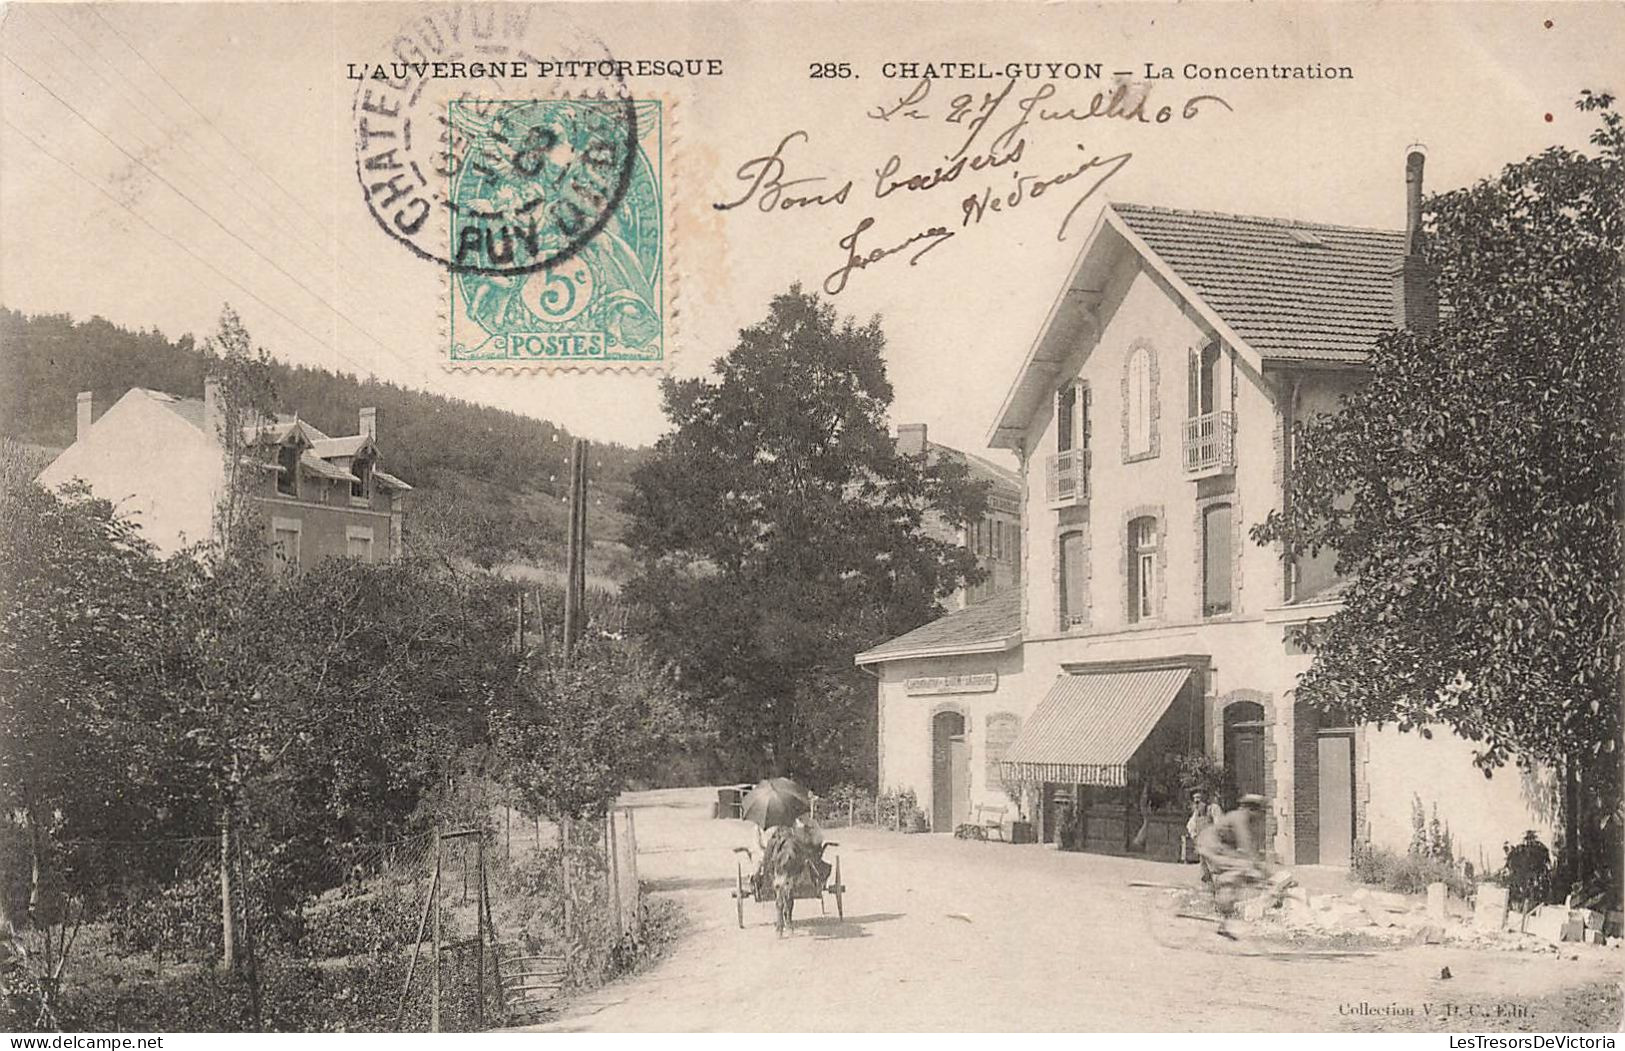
(840, 889)
(739, 892)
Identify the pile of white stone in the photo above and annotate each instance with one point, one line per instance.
(1551, 924)
(1385, 916)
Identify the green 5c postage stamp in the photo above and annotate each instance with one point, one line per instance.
(557, 233)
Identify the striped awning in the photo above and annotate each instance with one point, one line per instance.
(1089, 725)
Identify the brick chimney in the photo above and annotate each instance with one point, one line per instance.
(86, 415)
(369, 423)
(213, 409)
(910, 439)
(1416, 295)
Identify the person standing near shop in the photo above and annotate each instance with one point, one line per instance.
(1203, 814)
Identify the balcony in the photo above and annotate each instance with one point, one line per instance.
(1209, 447)
(1066, 478)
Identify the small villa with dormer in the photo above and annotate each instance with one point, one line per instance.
(159, 458)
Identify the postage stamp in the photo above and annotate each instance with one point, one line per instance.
(557, 235)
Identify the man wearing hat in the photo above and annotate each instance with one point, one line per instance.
(1231, 849)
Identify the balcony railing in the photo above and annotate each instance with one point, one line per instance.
(1210, 443)
(1066, 478)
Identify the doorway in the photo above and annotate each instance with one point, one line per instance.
(1336, 796)
(1244, 749)
(950, 772)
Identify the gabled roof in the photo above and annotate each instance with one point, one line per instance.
(1277, 290)
(277, 430)
(981, 469)
(322, 469)
(986, 627)
(188, 409)
(327, 448)
(280, 429)
(389, 481)
(1292, 290)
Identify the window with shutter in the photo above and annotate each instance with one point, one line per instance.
(1217, 560)
(1066, 400)
(1074, 574)
(1139, 402)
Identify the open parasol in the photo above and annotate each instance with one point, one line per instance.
(774, 802)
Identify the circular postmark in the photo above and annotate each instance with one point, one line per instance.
(463, 159)
(601, 240)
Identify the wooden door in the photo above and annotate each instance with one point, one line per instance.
(959, 773)
(950, 769)
(1336, 798)
(1247, 760)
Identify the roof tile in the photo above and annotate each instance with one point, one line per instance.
(1290, 299)
(998, 619)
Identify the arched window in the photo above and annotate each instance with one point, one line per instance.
(1142, 568)
(1139, 401)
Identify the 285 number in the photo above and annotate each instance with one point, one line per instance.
(830, 71)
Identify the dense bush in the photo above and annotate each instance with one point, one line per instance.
(177, 922)
(358, 995)
(384, 918)
(893, 808)
(1405, 873)
(180, 921)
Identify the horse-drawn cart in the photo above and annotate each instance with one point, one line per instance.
(802, 882)
(793, 865)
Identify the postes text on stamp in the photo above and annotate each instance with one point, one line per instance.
(557, 231)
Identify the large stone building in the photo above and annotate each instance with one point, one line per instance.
(1152, 421)
(159, 458)
(995, 538)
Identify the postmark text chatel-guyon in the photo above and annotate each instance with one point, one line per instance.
(541, 201)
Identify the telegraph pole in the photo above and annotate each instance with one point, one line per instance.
(575, 587)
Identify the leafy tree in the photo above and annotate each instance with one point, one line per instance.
(425, 667)
(79, 607)
(581, 729)
(778, 531)
(1471, 489)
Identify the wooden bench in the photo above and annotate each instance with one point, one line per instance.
(991, 818)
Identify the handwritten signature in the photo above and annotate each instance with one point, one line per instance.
(1030, 187)
(765, 180)
(836, 281)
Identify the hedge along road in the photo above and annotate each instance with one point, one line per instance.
(946, 934)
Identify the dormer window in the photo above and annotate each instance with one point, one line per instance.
(287, 477)
(361, 487)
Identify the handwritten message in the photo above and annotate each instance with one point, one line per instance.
(1013, 148)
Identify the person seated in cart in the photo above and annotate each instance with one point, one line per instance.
(802, 839)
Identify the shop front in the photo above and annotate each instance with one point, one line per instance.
(1103, 759)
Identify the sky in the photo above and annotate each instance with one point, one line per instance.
(159, 161)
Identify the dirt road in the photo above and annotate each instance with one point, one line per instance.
(943, 934)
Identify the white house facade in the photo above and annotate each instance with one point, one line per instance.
(1152, 419)
(158, 458)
